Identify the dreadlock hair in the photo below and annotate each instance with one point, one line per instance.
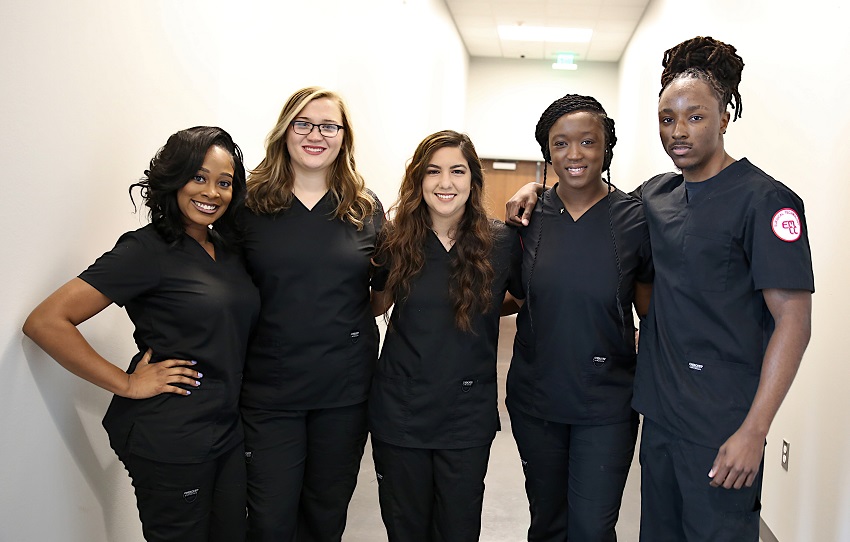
(403, 239)
(572, 103)
(710, 60)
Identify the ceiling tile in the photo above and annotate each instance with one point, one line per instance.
(633, 3)
(522, 49)
(579, 12)
(612, 21)
(551, 50)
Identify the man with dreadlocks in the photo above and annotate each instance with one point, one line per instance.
(586, 261)
(730, 315)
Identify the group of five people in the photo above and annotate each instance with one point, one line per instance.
(258, 375)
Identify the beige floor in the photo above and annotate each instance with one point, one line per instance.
(505, 515)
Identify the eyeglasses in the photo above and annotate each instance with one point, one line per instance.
(302, 127)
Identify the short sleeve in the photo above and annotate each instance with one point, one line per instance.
(638, 192)
(378, 214)
(125, 272)
(379, 275)
(507, 256)
(646, 270)
(379, 268)
(777, 243)
(515, 279)
(378, 271)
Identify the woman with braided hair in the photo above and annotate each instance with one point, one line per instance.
(586, 261)
(731, 309)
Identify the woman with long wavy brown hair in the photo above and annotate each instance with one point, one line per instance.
(309, 236)
(433, 404)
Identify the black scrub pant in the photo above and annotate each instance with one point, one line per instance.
(574, 476)
(196, 502)
(302, 469)
(430, 495)
(677, 502)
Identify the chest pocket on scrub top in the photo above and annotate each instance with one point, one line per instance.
(706, 260)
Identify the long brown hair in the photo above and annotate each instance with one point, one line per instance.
(404, 237)
(270, 183)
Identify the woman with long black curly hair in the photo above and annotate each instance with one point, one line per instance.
(174, 421)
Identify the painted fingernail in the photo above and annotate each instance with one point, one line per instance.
(200, 375)
(193, 362)
(197, 383)
(188, 392)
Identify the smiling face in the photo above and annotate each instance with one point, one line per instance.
(205, 197)
(691, 125)
(314, 152)
(446, 185)
(577, 147)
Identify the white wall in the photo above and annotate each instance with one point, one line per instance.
(90, 91)
(795, 125)
(401, 80)
(506, 98)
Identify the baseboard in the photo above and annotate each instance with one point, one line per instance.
(765, 534)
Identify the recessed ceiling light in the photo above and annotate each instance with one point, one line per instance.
(545, 33)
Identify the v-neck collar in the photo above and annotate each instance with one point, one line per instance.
(440, 243)
(317, 204)
(198, 246)
(558, 207)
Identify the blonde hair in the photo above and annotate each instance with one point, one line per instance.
(270, 183)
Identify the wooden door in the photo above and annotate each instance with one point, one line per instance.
(501, 184)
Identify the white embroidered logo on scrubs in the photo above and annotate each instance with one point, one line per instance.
(191, 495)
(695, 366)
(786, 225)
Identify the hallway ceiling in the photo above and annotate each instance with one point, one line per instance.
(612, 22)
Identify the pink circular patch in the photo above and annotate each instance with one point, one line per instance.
(786, 225)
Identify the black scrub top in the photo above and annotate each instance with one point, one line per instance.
(574, 357)
(317, 341)
(702, 344)
(184, 305)
(435, 385)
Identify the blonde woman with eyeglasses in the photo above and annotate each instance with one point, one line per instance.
(310, 231)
